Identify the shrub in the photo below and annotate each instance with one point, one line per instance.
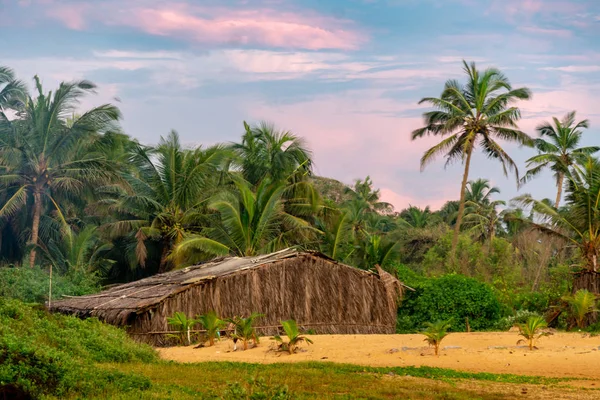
(31, 285)
(520, 317)
(451, 297)
(43, 354)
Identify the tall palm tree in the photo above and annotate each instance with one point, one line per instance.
(266, 153)
(248, 223)
(44, 155)
(560, 151)
(162, 201)
(579, 222)
(467, 115)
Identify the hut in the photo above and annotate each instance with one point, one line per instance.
(319, 293)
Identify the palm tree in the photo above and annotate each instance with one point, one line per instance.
(448, 212)
(480, 192)
(162, 201)
(578, 223)
(247, 223)
(477, 113)
(44, 154)
(416, 217)
(483, 220)
(266, 153)
(12, 91)
(363, 191)
(560, 151)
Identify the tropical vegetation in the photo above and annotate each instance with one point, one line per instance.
(80, 196)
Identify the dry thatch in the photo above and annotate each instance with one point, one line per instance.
(316, 291)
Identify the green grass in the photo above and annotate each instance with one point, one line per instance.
(60, 357)
(311, 380)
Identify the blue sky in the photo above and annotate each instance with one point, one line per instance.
(345, 75)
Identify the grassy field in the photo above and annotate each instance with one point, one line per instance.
(334, 381)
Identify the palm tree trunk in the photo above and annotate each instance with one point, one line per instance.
(559, 184)
(461, 206)
(35, 227)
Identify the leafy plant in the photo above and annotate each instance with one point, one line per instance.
(183, 325)
(448, 297)
(533, 329)
(435, 333)
(256, 388)
(212, 323)
(581, 303)
(293, 335)
(244, 329)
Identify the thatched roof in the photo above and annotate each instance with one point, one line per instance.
(117, 304)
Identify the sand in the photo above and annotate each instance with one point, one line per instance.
(560, 355)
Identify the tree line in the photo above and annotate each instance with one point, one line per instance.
(78, 193)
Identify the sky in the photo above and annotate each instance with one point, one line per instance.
(346, 75)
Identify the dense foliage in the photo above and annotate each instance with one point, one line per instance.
(56, 355)
(453, 298)
(80, 195)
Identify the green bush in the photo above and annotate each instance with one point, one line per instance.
(31, 284)
(57, 355)
(448, 297)
(520, 317)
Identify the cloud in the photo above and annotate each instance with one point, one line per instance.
(573, 68)
(299, 29)
(563, 33)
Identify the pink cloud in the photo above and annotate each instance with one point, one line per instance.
(574, 68)
(305, 30)
(563, 33)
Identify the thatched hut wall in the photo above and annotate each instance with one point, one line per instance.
(320, 295)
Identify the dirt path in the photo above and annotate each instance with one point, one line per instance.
(560, 355)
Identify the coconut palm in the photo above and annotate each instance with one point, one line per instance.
(163, 201)
(183, 325)
(13, 92)
(247, 223)
(266, 153)
(46, 155)
(483, 220)
(533, 329)
(212, 324)
(336, 234)
(375, 250)
(560, 151)
(415, 217)
(363, 191)
(477, 113)
(244, 329)
(579, 222)
(448, 212)
(581, 303)
(84, 251)
(435, 333)
(294, 337)
(480, 192)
